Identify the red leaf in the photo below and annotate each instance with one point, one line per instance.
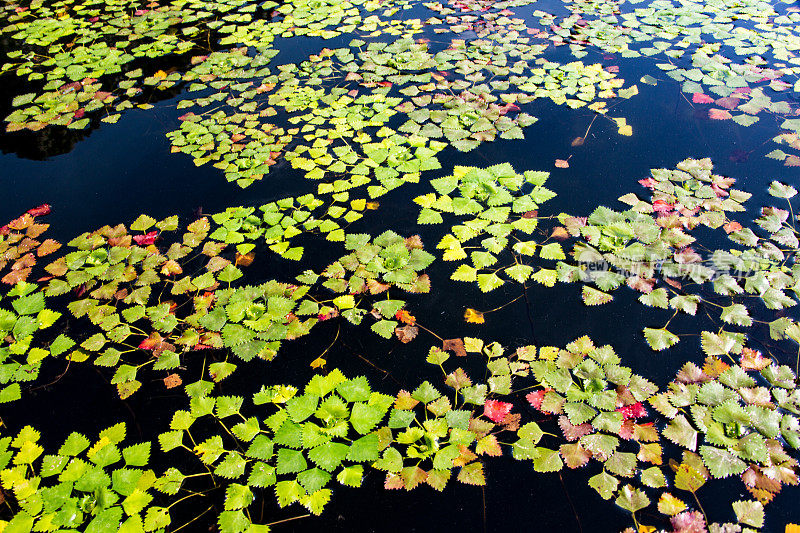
(661, 206)
(40, 211)
(689, 522)
(700, 98)
(571, 431)
(728, 102)
(536, 397)
(634, 410)
(496, 410)
(792, 161)
(648, 182)
(146, 239)
(732, 226)
(643, 285)
(152, 342)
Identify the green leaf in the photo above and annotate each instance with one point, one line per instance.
(632, 499)
(384, 328)
(261, 475)
(288, 492)
(365, 449)
(329, 455)
(313, 479)
(656, 298)
(653, 477)
(74, 445)
(605, 484)
(592, 296)
(365, 417)
(660, 339)
(290, 461)
(143, 223)
(425, 393)
(355, 390)
(137, 455)
(30, 304)
(736, 314)
(489, 282)
(681, 432)
(552, 251)
(472, 474)
(389, 308)
(316, 502)
(351, 476)
(780, 190)
(238, 497)
(301, 407)
(721, 463)
(547, 460)
(750, 513)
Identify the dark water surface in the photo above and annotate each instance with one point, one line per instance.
(115, 172)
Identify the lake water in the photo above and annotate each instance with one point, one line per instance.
(110, 173)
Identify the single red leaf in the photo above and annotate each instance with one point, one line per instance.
(40, 210)
(146, 239)
(634, 410)
(536, 397)
(496, 410)
(700, 98)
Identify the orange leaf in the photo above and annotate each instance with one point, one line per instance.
(171, 267)
(319, 362)
(406, 334)
(414, 242)
(405, 317)
(36, 229)
(246, 259)
(578, 141)
(456, 346)
(753, 360)
(404, 401)
(562, 163)
(26, 261)
(48, 247)
(714, 366)
(560, 233)
(15, 276)
(21, 223)
(732, 226)
(473, 316)
(376, 287)
(172, 381)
